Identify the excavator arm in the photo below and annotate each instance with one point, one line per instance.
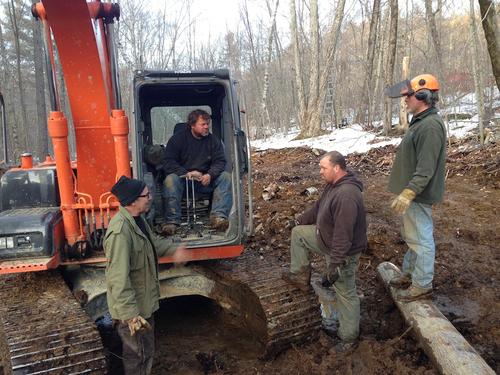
(83, 34)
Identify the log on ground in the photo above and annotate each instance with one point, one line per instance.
(444, 345)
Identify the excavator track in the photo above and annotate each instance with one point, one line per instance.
(290, 316)
(45, 331)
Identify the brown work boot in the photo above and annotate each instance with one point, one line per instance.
(301, 279)
(169, 229)
(218, 223)
(414, 293)
(402, 281)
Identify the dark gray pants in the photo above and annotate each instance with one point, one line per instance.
(138, 350)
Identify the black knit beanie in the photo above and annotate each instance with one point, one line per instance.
(127, 190)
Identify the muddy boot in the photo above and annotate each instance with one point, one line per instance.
(345, 347)
(301, 279)
(414, 293)
(168, 229)
(218, 223)
(402, 281)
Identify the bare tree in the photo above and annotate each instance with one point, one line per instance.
(477, 73)
(311, 103)
(403, 113)
(391, 58)
(365, 113)
(41, 111)
(491, 29)
(13, 16)
(430, 16)
(265, 89)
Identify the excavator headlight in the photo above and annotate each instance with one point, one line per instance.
(10, 242)
(7, 243)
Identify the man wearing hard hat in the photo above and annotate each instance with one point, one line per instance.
(417, 177)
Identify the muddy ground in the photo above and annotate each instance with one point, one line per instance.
(195, 338)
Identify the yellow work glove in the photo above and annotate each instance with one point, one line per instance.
(136, 324)
(403, 201)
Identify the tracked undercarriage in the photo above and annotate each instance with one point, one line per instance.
(45, 331)
(275, 313)
(283, 315)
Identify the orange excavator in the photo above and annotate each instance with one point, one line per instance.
(53, 215)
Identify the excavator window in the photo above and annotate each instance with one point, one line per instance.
(27, 189)
(165, 119)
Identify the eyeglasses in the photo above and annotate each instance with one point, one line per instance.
(148, 194)
(409, 93)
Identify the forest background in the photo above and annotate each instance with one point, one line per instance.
(299, 64)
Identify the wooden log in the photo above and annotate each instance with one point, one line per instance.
(444, 345)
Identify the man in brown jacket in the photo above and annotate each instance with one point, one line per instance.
(336, 228)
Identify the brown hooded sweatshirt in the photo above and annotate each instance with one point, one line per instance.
(340, 218)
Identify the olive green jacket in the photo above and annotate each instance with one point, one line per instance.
(132, 267)
(420, 159)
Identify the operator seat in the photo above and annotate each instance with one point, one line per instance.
(180, 126)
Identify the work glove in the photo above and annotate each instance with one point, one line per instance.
(137, 324)
(331, 275)
(403, 201)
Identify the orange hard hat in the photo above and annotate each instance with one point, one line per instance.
(424, 81)
(410, 87)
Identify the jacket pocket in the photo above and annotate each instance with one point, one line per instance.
(137, 260)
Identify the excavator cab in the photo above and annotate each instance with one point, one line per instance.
(162, 102)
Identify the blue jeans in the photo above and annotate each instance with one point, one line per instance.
(417, 232)
(174, 191)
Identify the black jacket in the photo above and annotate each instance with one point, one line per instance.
(185, 153)
(340, 219)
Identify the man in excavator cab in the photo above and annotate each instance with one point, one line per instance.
(195, 164)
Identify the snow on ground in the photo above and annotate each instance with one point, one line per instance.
(350, 139)
(346, 140)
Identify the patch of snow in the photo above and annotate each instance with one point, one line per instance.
(345, 140)
(350, 139)
(354, 139)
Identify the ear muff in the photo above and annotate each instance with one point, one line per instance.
(422, 95)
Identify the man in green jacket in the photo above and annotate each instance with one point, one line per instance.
(417, 177)
(133, 290)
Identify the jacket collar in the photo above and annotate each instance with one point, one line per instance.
(421, 115)
(123, 211)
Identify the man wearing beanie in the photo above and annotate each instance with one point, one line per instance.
(133, 290)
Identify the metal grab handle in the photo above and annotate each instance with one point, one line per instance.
(192, 179)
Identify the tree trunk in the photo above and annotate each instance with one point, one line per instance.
(403, 113)
(380, 56)
(24, 116)
(265, 110)
(391, 58)
(312, 106)
(447, 349)
(364, 114)
(42, 141)
(492, 35)
(297, 65)
(477, 73)
(435, 39)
